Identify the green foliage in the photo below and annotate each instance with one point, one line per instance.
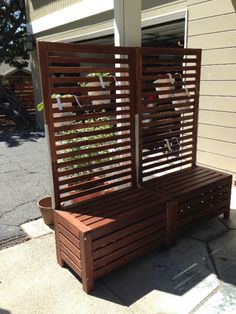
(94, 74)
(12, 29)
(40, 106)
(88, 146)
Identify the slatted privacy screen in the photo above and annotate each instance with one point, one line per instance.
(91, 120)
(168, 110)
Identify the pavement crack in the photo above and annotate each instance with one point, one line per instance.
(210, 254)
(15, 207)
(210, 295)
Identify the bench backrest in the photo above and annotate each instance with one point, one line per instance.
(168, 110)
(91, 123)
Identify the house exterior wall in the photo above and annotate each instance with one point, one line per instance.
(39, 8)
(210, 25)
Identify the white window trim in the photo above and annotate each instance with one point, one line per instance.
(106, 28)
(164, 18)
(146, 21)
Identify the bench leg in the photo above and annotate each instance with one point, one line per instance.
(172, 207)
(227, 214)
(60, 261)
(86, 261)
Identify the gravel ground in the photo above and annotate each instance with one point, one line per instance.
(24, 178)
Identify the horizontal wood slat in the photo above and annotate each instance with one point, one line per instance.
(168, 110)
(90, 120)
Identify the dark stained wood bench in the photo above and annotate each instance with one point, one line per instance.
(103, 219)
(201, 194)
(169, 109)
(123, 152)
(102, 234)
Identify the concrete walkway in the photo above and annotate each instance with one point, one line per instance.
(198, 275)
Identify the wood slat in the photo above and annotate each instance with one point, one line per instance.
(129, 239)
(171, 167)
(167, 69)
(71, 254)
(93, 167)
(128, 257)
(80, 126)
(76, 135)
(95, 190)
(75, 179)
(114, 210)
(71, 263)
(68, 235)
(82, 161)
(101, 148)
(149, 220)
(78, 60)
(103, 69)
(72, 144)
(96, 181)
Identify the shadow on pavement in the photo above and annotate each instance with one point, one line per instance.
(15, 138)
(4, 311)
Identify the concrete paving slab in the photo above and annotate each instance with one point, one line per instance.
(224, 255)
(36, 228)
(166, 282)
(231, 222)
(208, 230)
(224, 301)
(31, 281)
(165, 303)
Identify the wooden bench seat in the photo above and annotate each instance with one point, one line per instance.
(201, 193)
(101, 234)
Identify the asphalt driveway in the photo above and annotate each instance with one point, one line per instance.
(24, 178)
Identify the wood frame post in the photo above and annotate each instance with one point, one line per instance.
(58, 251)
(227, 213)
(87, 261)
(171, 238)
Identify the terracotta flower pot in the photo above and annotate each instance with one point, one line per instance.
(45, 207)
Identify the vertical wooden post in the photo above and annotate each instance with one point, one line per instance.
(58, 251)
(171, 238)
(227, 213)
(86, 261)
(43, 51)
(196, 106)
(138, 112)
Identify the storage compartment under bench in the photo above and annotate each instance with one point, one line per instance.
(102, 234)
(201, 194)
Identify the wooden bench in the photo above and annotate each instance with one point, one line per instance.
(103, 218)
(168, 110)
(123, 152)
(102, 234)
